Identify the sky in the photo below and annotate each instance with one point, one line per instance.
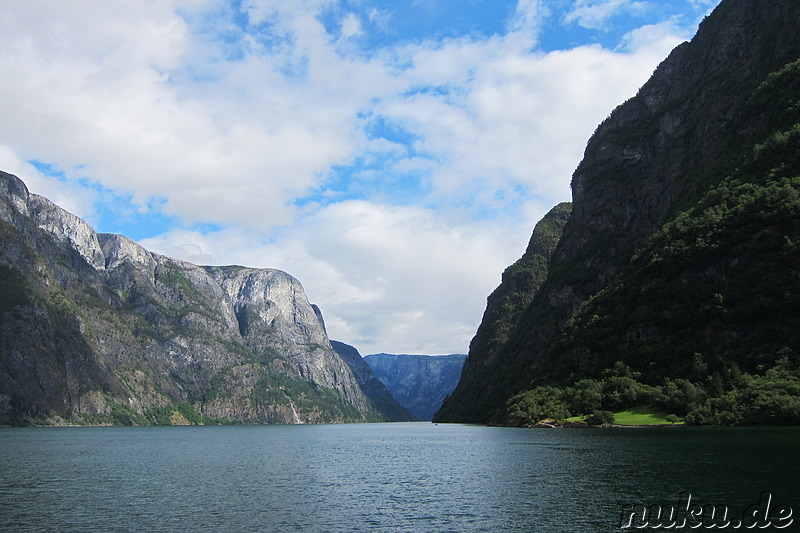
(394, 156)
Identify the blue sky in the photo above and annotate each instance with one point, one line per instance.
(393, 156)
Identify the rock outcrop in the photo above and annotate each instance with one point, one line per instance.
(96, 329)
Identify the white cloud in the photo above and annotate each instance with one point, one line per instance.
(128, 114)
(351, 26)
(384, 276)
(594, 14)
(235, 123)
(703, 4)
(654, 40)
(380, 18)
(525, 24)
(71, 196)
(509, 118)
(121, 107)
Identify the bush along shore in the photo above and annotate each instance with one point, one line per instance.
(620, 397)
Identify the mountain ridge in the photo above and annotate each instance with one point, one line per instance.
(95, 329)
(373, 387)
(419, 383)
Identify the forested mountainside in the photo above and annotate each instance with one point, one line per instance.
(676, 281)
(484, 385)
(94, 329)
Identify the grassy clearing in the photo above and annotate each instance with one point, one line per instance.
(642, 416)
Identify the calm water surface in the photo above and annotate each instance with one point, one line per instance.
(379, 477)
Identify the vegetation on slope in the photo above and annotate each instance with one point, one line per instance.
(484, 376)
(679, 259)
(706, 314)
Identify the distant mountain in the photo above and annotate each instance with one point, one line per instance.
(420, 383)
(676, 279)
(96, 329)
(373, 388)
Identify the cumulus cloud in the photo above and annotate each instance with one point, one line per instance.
(143, 112)
(128, 104)
(351, 26)
(383, 275)
(595, 14)
(70, 196)
(504, 119)
(396, 183)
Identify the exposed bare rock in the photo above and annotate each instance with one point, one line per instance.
(96, 329)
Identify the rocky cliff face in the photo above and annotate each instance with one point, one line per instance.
(373, 388)
(96, 329)
(420, 383)
(695, 131)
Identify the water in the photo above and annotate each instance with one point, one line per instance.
(378, 477)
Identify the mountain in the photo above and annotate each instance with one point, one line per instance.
(373, 388)
(479, 387)
(96, 329)
(676, 280)
(420, 383)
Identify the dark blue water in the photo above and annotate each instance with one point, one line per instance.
(378, 477)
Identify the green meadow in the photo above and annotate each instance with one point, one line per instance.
(643, 416)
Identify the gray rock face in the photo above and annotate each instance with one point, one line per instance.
(118, 249)
(67, 228)
(420, 383)
(373, 388)
(273, 313)
(94, 328)
(16, 196)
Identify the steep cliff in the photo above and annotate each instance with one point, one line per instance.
(373, 388)
(420, 383)
(96, 329)
(682, 241)
(484, 379)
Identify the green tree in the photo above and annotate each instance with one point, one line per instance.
(584, 396)
(598, 418)
(535, 405)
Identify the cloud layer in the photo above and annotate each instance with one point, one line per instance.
(395, 180)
